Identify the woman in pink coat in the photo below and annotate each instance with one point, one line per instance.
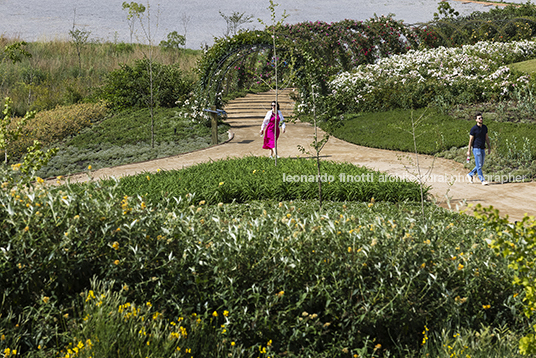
(270, 121)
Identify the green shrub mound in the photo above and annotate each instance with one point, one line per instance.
(257, 178)
(309, 283)
(145, 82)
(54, 126)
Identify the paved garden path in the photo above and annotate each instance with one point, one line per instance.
(447, 178)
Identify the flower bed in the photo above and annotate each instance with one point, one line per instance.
(415, 79)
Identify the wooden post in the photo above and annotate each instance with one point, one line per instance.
(214, 116)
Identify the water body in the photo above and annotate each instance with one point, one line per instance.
(200, 21)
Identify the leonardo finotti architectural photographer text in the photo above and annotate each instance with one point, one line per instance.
(384, 178)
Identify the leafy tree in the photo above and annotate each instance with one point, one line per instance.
(79, 38)
(135, 10)
(174, 41)
(234, 21)
(129, 86)
(15, 52)
(444, 9)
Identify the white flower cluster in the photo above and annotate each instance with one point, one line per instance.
(193, 110)
(482, 64)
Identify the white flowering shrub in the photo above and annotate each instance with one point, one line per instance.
(412, 80)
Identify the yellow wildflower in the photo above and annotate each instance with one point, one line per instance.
(90, 295)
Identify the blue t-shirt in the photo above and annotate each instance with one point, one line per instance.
(480, 136)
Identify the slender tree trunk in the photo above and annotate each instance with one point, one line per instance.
(276, 127)
(317, 154)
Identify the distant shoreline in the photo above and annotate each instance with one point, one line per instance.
(485, 3)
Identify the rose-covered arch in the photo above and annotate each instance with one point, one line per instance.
(309, 52)
(221, 58)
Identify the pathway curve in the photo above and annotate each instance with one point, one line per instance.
(447, 178)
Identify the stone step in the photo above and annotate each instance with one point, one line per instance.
(256, 108)
(253, 106)
(252, 101)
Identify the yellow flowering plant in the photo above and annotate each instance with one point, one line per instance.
(516, 242)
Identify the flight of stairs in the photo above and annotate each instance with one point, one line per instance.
(253, 107)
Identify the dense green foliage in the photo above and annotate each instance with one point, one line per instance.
(516, 243)
(145, 82)
(256, 178)
(442, 77)
(503, 24)
(341, 46)
(352, 278)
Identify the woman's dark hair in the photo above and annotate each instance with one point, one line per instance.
(273, 103)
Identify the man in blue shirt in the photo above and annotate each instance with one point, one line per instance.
(478, 139)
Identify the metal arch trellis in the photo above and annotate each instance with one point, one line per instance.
(219, 72)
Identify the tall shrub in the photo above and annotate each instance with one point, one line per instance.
(128, 86)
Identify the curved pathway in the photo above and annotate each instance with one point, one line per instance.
(447, 178)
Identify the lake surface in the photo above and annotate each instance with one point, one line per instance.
(199, 20)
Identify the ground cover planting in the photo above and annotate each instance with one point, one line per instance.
(260, 278)
(256, 178)
(442, 135)
(123, 139)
